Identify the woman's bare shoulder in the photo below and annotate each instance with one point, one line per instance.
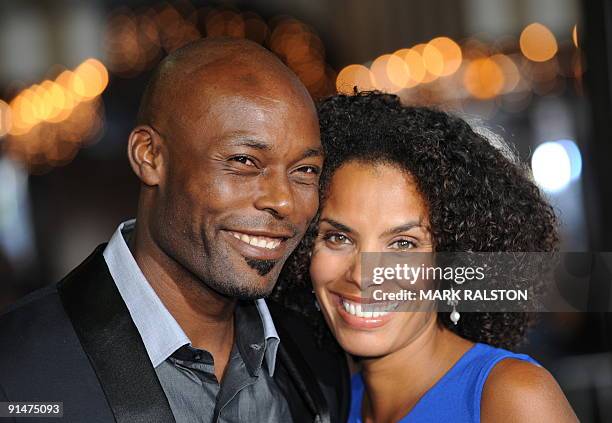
(520, 391)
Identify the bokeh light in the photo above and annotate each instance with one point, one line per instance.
(175, 31)
(46, 124)
(575, 35)
(56, 99)
(354, 76)
(573, 152)
(551, 166)
(90, 79)
(384, 79)
(510, 72)
(5, 118)
(442, 71)
(416, 67)
(484, 78)
(433, 60)
(120, 43)
(442, 56)
(135, 41)
(473, 48)
(538, 43)
(397, 71)
(430, 65)
(434, 72)
(255, 28)
(225, 23)
(302, 50)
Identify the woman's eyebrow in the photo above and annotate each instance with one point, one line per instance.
(403, 228)
(336, 224)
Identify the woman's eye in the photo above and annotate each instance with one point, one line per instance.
(337, 239)
(403, 244)
(245, 160)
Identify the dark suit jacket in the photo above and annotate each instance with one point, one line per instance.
(75, 342)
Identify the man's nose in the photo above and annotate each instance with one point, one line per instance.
(276, 195)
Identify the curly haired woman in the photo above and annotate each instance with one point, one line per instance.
(404, 179)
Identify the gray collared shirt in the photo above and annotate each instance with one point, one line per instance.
(247, 392)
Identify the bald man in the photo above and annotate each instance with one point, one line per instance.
(167, 322)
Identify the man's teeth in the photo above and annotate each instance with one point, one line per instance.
(258, 241)
(368, 310)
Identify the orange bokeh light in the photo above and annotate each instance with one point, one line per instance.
(445, 55)
(398, 71)
(54, 97)
(575, 35)
(484, 78)
(538, 43)
(433, 60)
(255, 28)
(428, 76)
(416, 67)
(16, 109)
(354, 76)
(90, 79)
(390, 73)
(48, 122)
(5, 118)
(225, 23)
(511, 73)
(122, 48)
(23, 113)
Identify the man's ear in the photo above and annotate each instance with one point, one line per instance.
(145, 154)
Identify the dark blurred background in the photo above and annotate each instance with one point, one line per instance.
(532, 72)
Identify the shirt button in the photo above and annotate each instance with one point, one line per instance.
(256, 347)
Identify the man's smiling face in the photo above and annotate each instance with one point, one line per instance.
(241, 182)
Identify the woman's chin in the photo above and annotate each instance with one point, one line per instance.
(363, 347)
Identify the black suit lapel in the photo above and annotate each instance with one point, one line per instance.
(112, 343)
(303, 382)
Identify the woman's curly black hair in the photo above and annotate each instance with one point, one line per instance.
(479, 199)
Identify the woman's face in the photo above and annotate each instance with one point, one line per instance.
(369, 208)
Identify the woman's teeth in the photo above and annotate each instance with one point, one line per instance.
(367, 311)
(258, 241)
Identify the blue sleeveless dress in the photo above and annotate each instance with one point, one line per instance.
(456, 396)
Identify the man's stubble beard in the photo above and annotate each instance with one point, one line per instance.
(241, 285)
(218, 269)
(263, 267)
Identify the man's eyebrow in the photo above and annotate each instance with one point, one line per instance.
(337, 225)
(241, 139)
(249, 142)
(312, 152)
(403, 228)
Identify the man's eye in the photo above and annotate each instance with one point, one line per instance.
(403, 244)
(310, 169)
(245, 160)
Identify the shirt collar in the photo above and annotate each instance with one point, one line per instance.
(270, 334)
(253, 343)
(160, 332)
